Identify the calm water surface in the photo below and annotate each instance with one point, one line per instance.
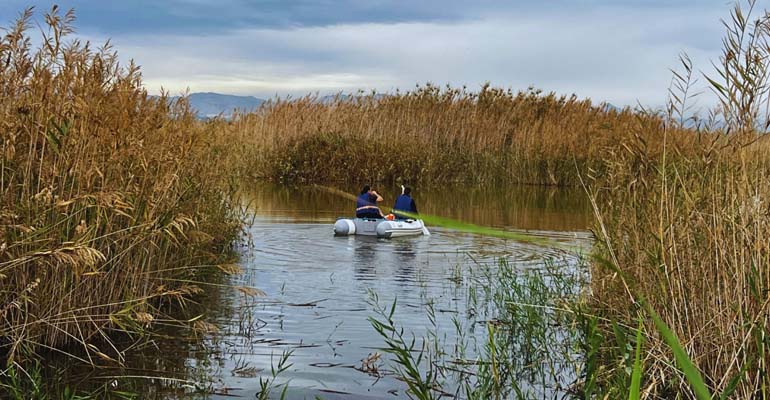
(318, 288)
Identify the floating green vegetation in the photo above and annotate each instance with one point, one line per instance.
(461, 226)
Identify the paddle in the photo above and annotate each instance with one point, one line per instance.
(425, 230)
(467, 227)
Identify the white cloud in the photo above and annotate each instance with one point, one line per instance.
(616, 54)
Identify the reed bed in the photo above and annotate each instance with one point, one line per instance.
(429, 135)
(114, 205)
(686, 232)
(691, 237)
(110, 208)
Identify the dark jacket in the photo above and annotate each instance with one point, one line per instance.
(363, 200)
(366, 206)
(404, 203)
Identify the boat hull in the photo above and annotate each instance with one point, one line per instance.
(378, 227)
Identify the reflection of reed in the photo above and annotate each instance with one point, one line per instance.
(364, 251)
(520, 207)
(404, 249)
(406, 256)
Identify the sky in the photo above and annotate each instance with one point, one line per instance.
(618, 51)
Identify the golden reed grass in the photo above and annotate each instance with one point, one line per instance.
(105, 203)
(109, 196)
(690, 228)
(431, 134)
(682, 210)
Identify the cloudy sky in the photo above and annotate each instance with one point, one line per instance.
(609, 50)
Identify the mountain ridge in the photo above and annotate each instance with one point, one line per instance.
(212, 104)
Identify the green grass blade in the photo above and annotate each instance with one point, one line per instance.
(733, 384)
(463, 226)
(636, 376)
(684, 362)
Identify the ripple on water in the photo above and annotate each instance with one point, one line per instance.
(318, 289)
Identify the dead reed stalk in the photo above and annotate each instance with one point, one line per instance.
(102, 191)
(432, 135)
(690, 227)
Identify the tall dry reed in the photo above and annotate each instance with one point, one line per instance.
(690, 227)
(431, 134)
(108, 200)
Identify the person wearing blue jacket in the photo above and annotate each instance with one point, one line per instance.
(405, 202)
(366, 204)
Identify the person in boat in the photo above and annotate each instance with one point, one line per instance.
(404, 202)
(366, 204)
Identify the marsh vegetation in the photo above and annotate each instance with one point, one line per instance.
(107, 216)
(118, 214)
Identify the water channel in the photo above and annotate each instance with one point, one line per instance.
(317, 293)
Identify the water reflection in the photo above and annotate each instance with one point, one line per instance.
(364, 253)
(406, 257)
(520, 207)
(318, 289)
(176, 362)
(381, 258)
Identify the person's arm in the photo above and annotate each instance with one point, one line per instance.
(414, 207)
(379, 198)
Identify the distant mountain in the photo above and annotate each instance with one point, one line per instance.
(610, 107)
(349, 97)
(209, 105)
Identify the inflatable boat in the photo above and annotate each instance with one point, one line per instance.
(379, 227)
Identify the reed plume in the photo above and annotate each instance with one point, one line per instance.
(106, 202)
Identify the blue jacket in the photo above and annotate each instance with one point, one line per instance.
(363, 200)
(365, 208)
(404, 203)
